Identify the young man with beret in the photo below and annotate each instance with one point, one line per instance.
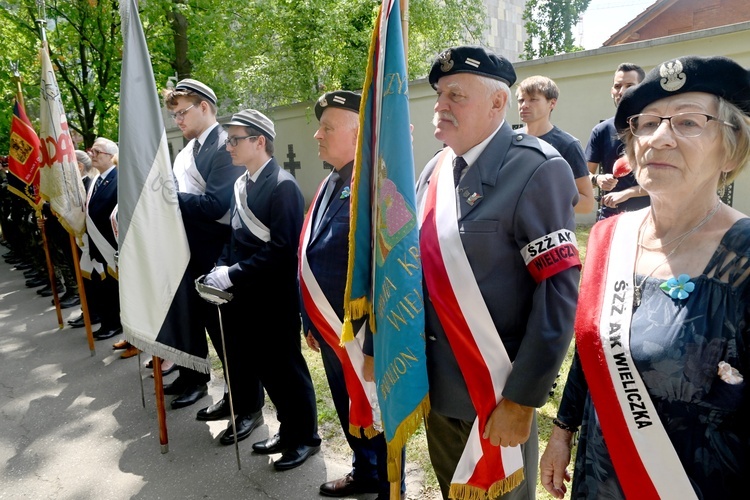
(501, 269)
(259, 267)
(204, 177)
(324, 254)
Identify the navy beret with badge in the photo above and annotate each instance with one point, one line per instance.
(715, 75)
(197, 87)
(475, 60)
(338, 99)
(255, 119)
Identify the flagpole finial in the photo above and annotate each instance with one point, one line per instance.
(41, 18)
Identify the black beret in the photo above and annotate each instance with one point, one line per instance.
(197, 87)
(472, 59)
(715, 75)
(338, 99)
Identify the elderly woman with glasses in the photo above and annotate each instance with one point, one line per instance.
(657, 383)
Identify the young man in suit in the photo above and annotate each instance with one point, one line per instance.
(323, 267)
(204, 175)
(102, 242)
(262, 322)
(501, 269)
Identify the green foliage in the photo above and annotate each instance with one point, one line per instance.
(84, 46)
(257, 53)
(549, 26)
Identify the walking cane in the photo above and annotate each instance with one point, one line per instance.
(217, 296)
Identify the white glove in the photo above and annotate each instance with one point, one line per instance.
(218, 278)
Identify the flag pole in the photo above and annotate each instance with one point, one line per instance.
(405, 32)
(82, 294)
(40, 219)
(404, 7)
(50, 267)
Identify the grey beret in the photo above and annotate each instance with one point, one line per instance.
(197, 87)
(255, 119)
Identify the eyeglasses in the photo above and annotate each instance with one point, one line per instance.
(233, 141)
(179, 115)
(97, 152)
(683, 124)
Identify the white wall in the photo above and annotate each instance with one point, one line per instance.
(584, 79)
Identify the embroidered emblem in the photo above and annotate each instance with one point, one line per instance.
(474, 198)
(673, 78)
(472, 62)
(678, 288)
(345, 193)
(446, 63)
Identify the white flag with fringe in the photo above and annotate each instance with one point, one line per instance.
(154, 253)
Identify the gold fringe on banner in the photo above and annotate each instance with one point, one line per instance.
(369, 431)
(468, 492)
(404, 431)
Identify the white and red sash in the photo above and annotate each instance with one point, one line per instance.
(475, 342)
(644, 458)
(364, 410)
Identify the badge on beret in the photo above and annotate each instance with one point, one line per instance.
(322, 102)
(446, 63)
(673, 78)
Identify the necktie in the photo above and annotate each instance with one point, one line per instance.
(330, 188)
(98, 183)
(196, 148)
(459, 164)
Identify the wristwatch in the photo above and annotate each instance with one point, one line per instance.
(594, 180)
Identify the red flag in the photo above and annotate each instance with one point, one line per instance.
(24, 159)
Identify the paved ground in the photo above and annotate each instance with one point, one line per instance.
(72, 425)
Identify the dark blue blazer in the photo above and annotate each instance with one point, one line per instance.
(265, 272)
(200, 212)
(103, 201)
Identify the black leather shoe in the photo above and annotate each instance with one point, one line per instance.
(107, 333)
(22, 266)
(69, 301)
(269, 446)
(33, 273)
(245, 424)
(176, 388)
(294, 457)
(79, 323)
(36, 281)
(47, 291)
(189, 396)
(347, 486)
(216, 411)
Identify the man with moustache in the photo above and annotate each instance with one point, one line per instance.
(500, 268)
(205, 177)
(259, 267)
(623, 194)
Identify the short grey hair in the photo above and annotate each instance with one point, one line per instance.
(110, 147)
(85, 159)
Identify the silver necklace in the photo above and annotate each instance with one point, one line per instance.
(638, 289)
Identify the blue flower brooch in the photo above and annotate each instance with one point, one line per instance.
(678, 288)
